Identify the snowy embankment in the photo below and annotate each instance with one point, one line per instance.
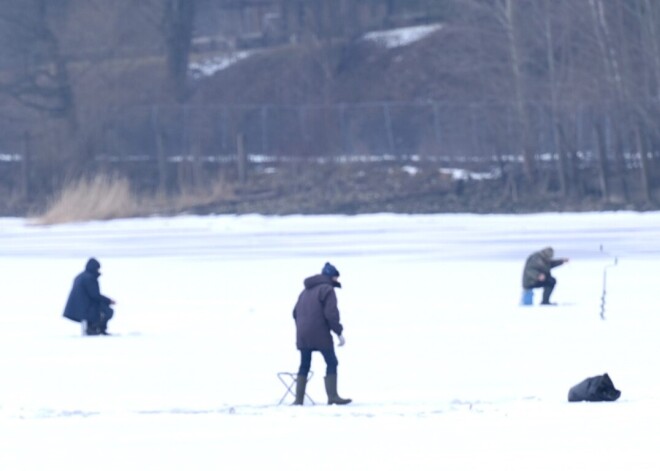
(446, 370)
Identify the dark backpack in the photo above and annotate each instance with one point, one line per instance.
(594, 389)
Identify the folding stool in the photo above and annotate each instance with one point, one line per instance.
(289, 381)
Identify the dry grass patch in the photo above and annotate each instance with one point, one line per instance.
(103, 198)
(218, 191)
(98, 198)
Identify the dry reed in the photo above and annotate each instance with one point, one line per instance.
(103, 197)
(99, 198)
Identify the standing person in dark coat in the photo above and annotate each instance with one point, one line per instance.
(537, 272)
(86, 303)
(316, 315)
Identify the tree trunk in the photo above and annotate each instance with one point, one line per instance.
(571, 170)
(614, 78)
(508, 20)
(648, 20)
(25, 167)
(552, 78)
(178, 22)
(602, 162)
(621, 165)
(643, 164)
(160, 152)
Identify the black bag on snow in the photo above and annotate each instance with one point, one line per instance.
(594, 389)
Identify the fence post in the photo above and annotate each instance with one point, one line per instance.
(303, 127)
(160, 154)
(185, 174)
(241, 158)
(344, 131)
(436, 127)
(476, 142)
(25, 167)
(388, 128)
(264, 130)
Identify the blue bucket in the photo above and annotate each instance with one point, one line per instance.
(527, 297)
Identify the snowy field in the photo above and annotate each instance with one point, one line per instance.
(446, 370)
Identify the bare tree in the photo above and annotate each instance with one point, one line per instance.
(174, 20)
(611, 66)
(177, 26)
(506, 13)
(39, 74)
(647, 16)
(549, 36)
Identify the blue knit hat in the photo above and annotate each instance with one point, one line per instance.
(329, 270)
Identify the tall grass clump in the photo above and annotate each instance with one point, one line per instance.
(98, 198)
(216, 191)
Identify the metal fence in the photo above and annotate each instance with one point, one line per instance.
(141, 140)
(395, 129)
(386, 128)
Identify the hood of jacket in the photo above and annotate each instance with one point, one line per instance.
(316, 280)
(93, 266)
(547, 253)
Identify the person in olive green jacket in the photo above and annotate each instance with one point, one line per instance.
(537, 272)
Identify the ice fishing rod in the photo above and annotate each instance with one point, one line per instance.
(604, 294)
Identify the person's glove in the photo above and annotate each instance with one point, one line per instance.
(342, 341)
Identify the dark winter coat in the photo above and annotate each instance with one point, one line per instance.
(537, 263)
(85, 299)
(594, 389)
(316, 314)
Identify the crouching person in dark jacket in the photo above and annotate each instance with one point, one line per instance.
(536, 273)
(316, 315)
(86, 304)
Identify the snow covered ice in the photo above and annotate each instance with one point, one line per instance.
(445, 368)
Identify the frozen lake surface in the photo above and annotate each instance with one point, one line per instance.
(445, 369)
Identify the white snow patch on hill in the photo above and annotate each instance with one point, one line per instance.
(401, 36)
(211, 66)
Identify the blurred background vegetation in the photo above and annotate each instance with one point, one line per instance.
(317, 106)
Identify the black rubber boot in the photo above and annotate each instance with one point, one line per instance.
(103, 326)
(547, 291)
(331, 390)
(92, 328)
(301, 384)
(546, 295)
